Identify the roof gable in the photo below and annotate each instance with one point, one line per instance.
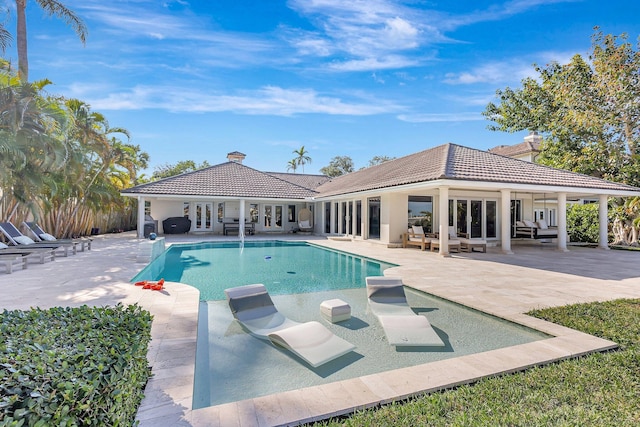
(230, 179)
(455, 162)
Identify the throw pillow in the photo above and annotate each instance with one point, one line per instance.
(529, 223)
(417, 229)
(543, 224)
(23, 240)
(47, 236)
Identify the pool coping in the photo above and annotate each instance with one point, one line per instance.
(169, 393)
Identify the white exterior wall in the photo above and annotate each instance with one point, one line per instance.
(163, 209)
(393, 217)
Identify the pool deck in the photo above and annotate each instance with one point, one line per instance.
(535, 276)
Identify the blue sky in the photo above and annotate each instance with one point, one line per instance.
(194, 80)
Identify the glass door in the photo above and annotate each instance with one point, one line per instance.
(475, 218)
(203, 216)
(374, 218)
(273, 217)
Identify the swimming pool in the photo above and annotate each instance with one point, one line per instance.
(284, 267)
(232, 365)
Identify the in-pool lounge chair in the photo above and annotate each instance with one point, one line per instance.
(20, 240)
(252, 306)
(39, 235)
(402, 326)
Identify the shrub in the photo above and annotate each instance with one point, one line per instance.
(582, 223)
(73, 366)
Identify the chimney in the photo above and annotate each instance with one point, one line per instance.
(533, 137)
(236, 156)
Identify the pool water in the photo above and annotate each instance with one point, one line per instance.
(232, 365)
(283, 267)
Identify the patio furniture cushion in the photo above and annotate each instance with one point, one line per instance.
(47, 236)
(24, 240)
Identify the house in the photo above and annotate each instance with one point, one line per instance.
(484, 193)
(528, 150)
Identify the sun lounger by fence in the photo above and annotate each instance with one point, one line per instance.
(40, 235)
(39, 255)
(18, 239)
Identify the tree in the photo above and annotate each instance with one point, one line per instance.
(52, 8)
(587, 110)
(183, 166)
(339, 165)
(589, 114)
(302, 157)
(376, 160)
(5, 38)
(292, 165)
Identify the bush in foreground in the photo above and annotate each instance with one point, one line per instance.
(73, 366)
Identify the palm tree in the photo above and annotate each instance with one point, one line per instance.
(5, 38)
(292, 165)
(302, 158)
(51, 7)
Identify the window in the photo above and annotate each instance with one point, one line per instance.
(420, 211)
(147, 207)
(220, 211)
(292, 213)
(185, 209)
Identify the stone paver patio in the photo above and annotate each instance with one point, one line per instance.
(504, 285)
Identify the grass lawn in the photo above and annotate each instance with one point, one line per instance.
(601, 389)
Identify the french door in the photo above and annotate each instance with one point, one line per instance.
(203, 216)
(478, 218)
(272, 217)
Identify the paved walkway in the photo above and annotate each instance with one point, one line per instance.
(505, 285)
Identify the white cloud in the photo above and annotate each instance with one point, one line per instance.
(368, 64)
(513, 70)
(440, 117)
(269, 100)
(362, 32)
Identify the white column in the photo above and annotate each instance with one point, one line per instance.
(562, 222)
(140, 217)
(241, 220)
(603, 214)
(505, 221)
(443, 221)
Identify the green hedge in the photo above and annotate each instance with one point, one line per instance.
(582, 223)
(73, 366)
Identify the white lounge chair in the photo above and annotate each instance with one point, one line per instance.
(402, 326)
(252, 306)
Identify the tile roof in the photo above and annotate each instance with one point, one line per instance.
(230, 179)
(301, 179)
(517, 149)
(454, 162)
